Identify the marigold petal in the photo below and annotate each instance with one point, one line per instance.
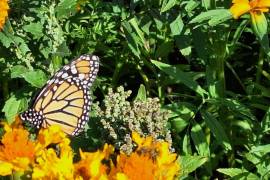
(239, 9)
(5, 168)
(263, 3)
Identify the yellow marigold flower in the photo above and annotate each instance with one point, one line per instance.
(51, 165)
(51, 135)
(151, 160)
(16, 151)
(254, 7)
(91, 164)
(3, 12)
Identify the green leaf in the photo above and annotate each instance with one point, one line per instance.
(17, 71)
(35, 29)
(217, 129)
(66, 8)
(164, 49)
(180, 115)
(216, 15)
(141, 95)
(191, 163)
(234, 105)
(35, 78)
(134, 23)
(132, 39)
(167, 5)
(5, 40)
(177, 26)
(199, 140)
(181, 76)
(12, 107)
(220, 18)
(238, 173)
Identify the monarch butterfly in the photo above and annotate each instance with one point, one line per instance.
(65, 100)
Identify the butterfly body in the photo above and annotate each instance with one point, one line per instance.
(65, 99)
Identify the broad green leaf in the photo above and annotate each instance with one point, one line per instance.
(217, 129)
(66, 8)
(216, 15)
(183, 77)
(35, 78)
(220, 18)
(191, 163)
(35, 29)
(199, 140)
(5, 40)
(12, 108)
(141, 95)
(17, 71)
(167, 5)
(177, 26)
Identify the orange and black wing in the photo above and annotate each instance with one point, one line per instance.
(65, 100)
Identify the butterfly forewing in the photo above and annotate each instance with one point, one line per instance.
(65, 100)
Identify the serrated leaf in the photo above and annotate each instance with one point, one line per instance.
(181, 76)
(217, 129)
(191, 163)
(35, 78)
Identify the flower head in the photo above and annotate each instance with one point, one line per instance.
(3, 12)
(12, 156)
(241, 7)
(91, 165)
(151, 160)
(53, 163)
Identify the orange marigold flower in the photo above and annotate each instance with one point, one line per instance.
(3, 12)
(16, 151)
(91, 165)
(151, 160)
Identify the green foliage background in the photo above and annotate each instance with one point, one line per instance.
(208, 69)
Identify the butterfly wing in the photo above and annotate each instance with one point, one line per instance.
(66, 100)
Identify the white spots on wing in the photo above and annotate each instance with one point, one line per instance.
(73, 70)
(54, 88)
(65, 75)
(95, 58)
(81, 76)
